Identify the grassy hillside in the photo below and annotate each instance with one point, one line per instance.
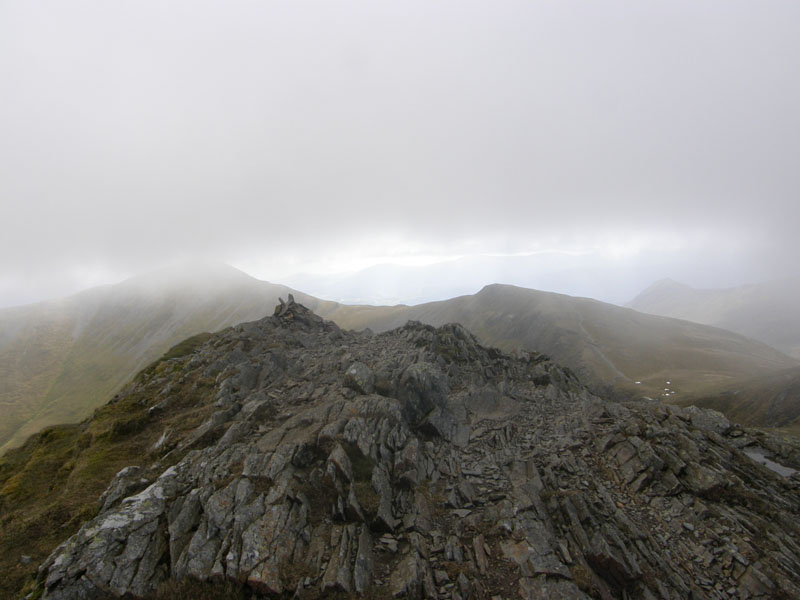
(768, 401)
(32, 346)
(608, 346)
(768, 312)
(60, 360)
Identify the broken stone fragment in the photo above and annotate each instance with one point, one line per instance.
(708, 419)
(406, 579)
(125, 483)
(359, 377)
(340, 464)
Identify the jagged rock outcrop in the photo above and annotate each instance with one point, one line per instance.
(419, 464)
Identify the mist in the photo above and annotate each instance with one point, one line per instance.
(587, 148)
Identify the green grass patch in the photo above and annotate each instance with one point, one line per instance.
(188, 345)
(368, 498)
(179, 350)
(363, 466)
(321, 493)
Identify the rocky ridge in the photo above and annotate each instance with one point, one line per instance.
(419, 464)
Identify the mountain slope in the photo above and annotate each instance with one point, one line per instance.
(293, 459)
(766, 401)
(608, 346)
(769, 311)
(61, 359)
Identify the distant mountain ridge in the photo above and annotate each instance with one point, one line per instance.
(768, 311)
(59, 360)
(607, 345)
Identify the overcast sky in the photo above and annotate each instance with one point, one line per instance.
(326, 137)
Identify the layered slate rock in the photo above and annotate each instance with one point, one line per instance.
(419, 464)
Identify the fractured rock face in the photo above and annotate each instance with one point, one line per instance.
(422, 388)
(462, 478)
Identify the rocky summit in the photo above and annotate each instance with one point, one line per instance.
(419, 464)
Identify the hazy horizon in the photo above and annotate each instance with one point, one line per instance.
(388, 284)
(578, 147)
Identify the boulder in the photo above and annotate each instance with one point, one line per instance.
(359, 377)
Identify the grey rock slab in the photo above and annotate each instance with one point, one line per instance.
(360, 378)
(127, 481)
(422, 387)
(707, 419)
(406, 579)
(362, 570)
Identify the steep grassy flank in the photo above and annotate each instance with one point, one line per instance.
(60, 360)
(51, 484)
(608, 346)
(29, 366)
(768, 401)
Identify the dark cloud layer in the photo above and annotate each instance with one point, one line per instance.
(275, 133)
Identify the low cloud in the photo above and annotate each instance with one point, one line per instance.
(294, 136)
